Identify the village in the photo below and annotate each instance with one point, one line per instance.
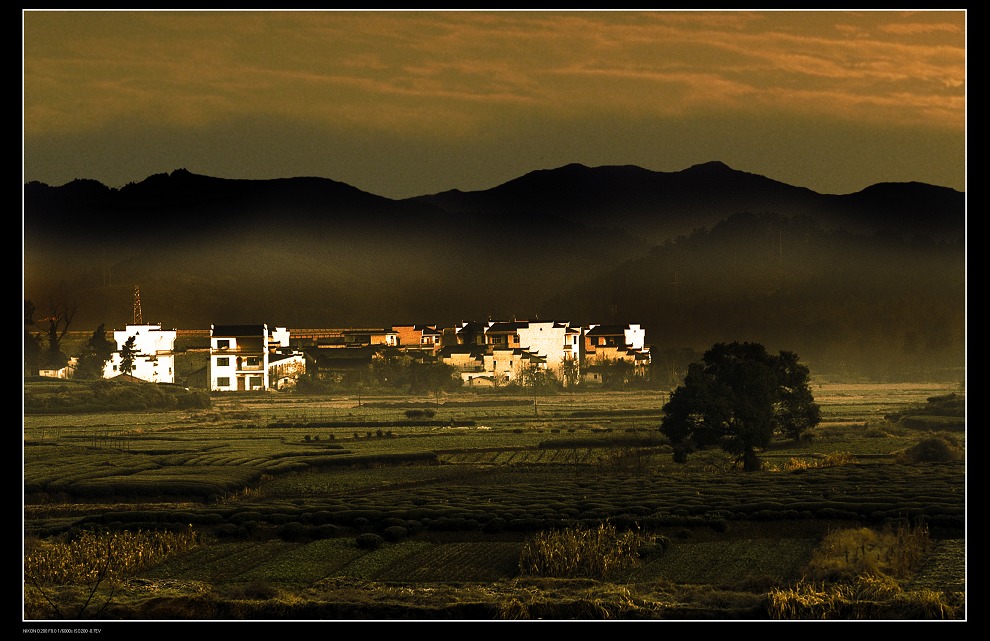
(259, 357)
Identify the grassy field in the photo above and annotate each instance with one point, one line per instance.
(280, 490)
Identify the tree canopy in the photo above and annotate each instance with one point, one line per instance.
(738, 397)
(96, 353)
(128, 353)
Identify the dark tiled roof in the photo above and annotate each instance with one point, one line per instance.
(348, 353)
(507, 326)
(608, 330)
(238, 330)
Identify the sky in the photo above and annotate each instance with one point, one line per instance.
(406, 103)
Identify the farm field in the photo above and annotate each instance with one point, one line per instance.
(348, 508)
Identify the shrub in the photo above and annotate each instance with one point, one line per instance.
(395, 533)
(655, 548)
(424, 413)
(936, 449)
(494, 526)
(294, 531)
(369, 541)
(255, 591)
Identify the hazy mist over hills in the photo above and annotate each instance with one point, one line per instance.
(864, 284)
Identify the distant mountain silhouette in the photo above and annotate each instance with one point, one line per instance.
(663, 205)
(185, 205)
(707, 253)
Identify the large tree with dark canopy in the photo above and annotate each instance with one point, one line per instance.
(738, 398)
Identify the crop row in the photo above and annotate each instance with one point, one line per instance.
(867, 493)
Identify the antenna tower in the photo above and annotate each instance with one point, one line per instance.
(138, 320)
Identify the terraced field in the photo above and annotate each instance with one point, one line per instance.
(281, 489)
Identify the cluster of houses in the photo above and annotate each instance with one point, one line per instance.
(486, 354)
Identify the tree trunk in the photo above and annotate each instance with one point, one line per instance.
(751, 462)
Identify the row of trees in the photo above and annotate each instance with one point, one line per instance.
(43, 344)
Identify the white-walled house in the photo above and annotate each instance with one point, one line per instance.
(238, 358)
(248, 358)
(284, 369)
(556, 343)
(508, 365)
(278, 338)
(154, 353)
(631, 336)
(65, 372)
(469, 361)
(607, 344)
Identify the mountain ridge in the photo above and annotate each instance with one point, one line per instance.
(658, 206)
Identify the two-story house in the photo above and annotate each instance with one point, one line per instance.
(607, 344)
(469, 361)
(425, 338)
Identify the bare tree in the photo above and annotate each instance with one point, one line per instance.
(59, 319)
(32, 341)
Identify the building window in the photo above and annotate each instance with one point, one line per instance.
(223, 344)
(223, 361)
(253, 361)
(223, 381)
(257, 382)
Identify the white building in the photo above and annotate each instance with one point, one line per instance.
(554, 342)
(250, 358)
(238, 358)
(153, 353)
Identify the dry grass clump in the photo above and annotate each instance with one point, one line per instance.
(849, 553)
(106, 556)
(938, 448)
(867, 597)
(80, 578)
(586, 552)
(829, 460)
(855, 574)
